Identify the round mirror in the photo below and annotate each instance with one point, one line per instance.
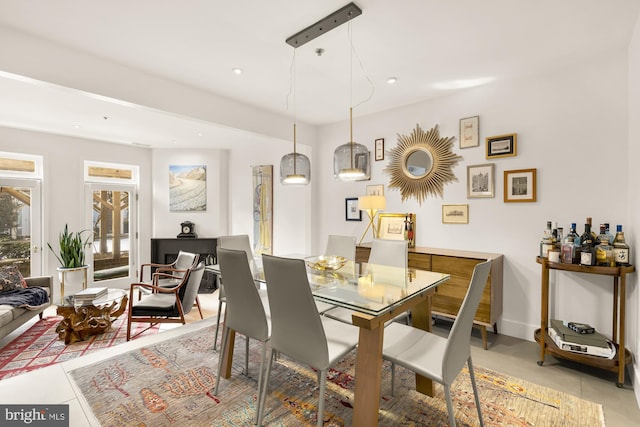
(418, 163)
(421, 164)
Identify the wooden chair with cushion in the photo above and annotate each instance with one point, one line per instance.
(297, 329)
(164, 304)
(433, 356)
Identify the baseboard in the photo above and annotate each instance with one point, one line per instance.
(517, 329)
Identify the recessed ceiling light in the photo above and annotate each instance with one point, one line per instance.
(198, 133)
(463, 84)
(392, 80)
(76, 126)
(237, 70)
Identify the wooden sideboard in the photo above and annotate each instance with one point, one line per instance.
(459, 264)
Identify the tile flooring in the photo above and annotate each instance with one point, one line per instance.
(505, 354)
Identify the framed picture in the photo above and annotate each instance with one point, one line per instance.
(469, 132)
(520, 185)
(481, 181)
(379, 149)
(502, 146)
(455, 214)
(397, 226)
(351, 211)
(192, 181)
(375, 190)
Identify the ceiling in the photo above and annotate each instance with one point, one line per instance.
(432, 47)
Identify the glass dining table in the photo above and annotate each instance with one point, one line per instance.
(375, 294)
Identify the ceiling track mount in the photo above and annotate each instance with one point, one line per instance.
(326, 24)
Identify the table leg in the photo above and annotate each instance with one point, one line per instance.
(421, 319)
(544, 309)
(368, 377)
(227, 351)
(622, 352)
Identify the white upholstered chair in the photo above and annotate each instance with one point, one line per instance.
(245, 309)
(342, 246)
(433, 356)
(297, 329)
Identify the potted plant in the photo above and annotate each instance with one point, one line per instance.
(72, 270)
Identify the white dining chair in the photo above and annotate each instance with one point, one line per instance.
(239, 242)
(297, 329)
(344, 246)
(435, 357)
(393, 253)
(246, 310)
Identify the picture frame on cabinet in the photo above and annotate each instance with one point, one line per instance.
(351, 211)
(520, 185)
(481, 181)
(502, 146)
(379, 149)
(455, 214)
(469, 132)
(397, 226)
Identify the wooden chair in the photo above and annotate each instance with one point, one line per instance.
(164, 304)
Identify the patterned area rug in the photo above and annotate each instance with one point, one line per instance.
(171, 383)
(40, 345)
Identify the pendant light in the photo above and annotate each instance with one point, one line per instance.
(295, 168)
(351, 160)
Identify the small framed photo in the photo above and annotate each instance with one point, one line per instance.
(375, 190)
(455, 214)
(397, 226)
(351, 211)
(502, 146)
(469, 132)
(481, 181)
(520, 185)
(379, 149)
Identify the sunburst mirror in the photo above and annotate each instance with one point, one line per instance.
(421, 164)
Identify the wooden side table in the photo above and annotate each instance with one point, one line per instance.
(547, 345)
(80, 322)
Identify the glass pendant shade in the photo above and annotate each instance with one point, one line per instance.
(351, 162)
(295, 169)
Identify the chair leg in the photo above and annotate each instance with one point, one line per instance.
(260, 377)
(225, 336)
(472, 376)
(393, 377)
(323, 386)
(215, 338)
(265, 387)
(447, 395)
(199, 309)
(246, 357)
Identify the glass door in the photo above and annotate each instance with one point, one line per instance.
(21, 225)
(112, 220)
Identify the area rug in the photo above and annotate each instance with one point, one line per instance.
(172, 383)
(40, 345)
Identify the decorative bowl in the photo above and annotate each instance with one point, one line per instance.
(326, 262)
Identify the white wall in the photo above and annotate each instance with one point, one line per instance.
(63, 190)
(571, 126)
(633, 236)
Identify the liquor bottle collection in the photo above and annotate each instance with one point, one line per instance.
(587, 248)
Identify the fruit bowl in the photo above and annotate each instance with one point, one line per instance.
(326, 262)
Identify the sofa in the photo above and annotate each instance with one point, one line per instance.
(13, 317)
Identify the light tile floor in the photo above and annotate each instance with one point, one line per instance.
(509, 355)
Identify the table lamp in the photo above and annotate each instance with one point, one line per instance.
(371, 204)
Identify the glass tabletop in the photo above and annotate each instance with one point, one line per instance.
(113, 294)
(367, 288)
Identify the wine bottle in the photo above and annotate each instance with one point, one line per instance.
(604, 251)
(568, 248)
(546, 243)
(608, 233)
(587, 246)
(560, 237)
(620, 248)
(593, 233)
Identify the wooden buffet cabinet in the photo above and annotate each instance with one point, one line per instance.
(449, 295)
(547, 345)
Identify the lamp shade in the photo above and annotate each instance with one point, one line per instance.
(372, 203)
(295, 169)
(351, 162)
